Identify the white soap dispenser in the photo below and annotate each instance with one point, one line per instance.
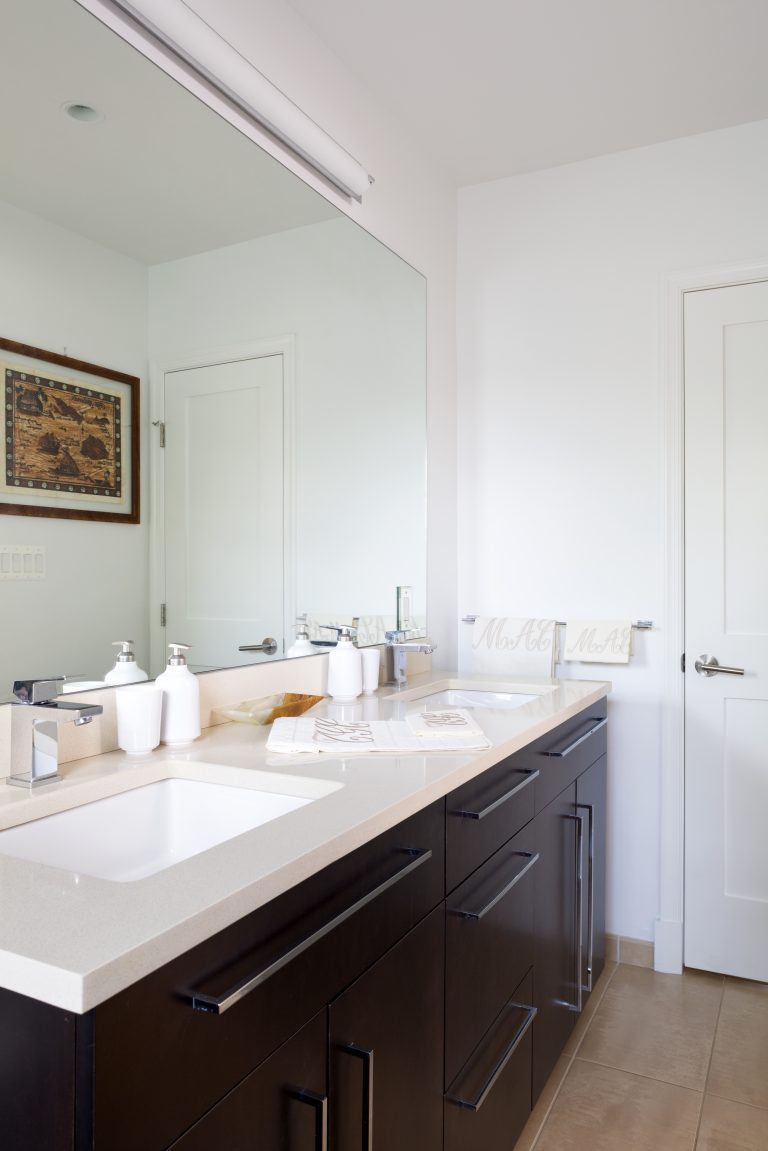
(302, 645)
(126, 670)
(345, 666)
(181, 699)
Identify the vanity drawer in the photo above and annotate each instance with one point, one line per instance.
(563, 754)
(159, 1063)
(484, 813)
(489, 944)
(489, 1102)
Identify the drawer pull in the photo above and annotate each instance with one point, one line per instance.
(218, 1004)
(476, 1104)
(572, 746)
(320, 1105)
(532, 860)
(529, 778)
(366, 1054)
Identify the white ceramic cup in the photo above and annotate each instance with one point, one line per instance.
(139, 708)
(371, 659)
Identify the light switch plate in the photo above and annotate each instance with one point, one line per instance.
(22, 562)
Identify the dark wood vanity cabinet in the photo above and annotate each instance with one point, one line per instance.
(525, 929)
(412, 996)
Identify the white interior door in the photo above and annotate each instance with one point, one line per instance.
(224, 520)
(726, 727)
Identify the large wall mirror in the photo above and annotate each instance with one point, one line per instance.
(282, 347)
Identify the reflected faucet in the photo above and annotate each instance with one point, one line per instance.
(35, 717)
(399, 644)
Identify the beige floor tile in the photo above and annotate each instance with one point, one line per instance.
(739, 1068)
(601, 1109)
(657, 1025)
(728, 1126)
(636, 952)
(580, 1030)
(543, 1104)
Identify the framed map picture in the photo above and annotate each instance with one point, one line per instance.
(71, 437)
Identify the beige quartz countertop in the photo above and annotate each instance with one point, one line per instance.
(73, 941)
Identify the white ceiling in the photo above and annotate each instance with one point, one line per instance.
(497, 87)
(160, 177)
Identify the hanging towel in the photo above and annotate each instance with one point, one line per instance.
(520, 647)
(598, 640)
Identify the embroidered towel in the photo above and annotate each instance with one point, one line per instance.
(505, 646)
(318, 733)
(598, 640)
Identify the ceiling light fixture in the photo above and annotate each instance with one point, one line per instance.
(188, 36)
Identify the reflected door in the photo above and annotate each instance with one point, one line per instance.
(224, 520)
(726, 728)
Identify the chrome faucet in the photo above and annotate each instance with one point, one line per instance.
(35, 718)
(399, 644)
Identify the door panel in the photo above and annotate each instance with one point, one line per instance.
(224, 508)
(726, 512)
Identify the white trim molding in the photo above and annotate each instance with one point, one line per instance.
(668, 936)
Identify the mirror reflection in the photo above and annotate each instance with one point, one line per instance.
(281, 354)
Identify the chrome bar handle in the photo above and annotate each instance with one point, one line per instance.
(530, 776)
(707, 665)
(476, 1104)
(532, 860)
(579, 819)
(268, 645)
(589, 807)
(320, 1105)
(217, 1005)
(572, 746)
(366, 1054)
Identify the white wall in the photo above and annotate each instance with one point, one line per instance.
(68, 295)
(562, 278)
(356, 316)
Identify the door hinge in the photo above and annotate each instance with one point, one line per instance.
(682, 663)
(161, 428)
(162, 614)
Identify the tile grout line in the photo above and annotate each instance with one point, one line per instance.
(709, 1066)
(571, 1060)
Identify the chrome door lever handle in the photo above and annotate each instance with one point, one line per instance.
(707, 665)
(268, 646)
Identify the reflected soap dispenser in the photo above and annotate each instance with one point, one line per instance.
(181, 699)
(345, 666)
(302, 645)
(126, 670)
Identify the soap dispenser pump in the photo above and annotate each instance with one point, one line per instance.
(126, 670)
(302, 645)
(181, 699)
(345, 666)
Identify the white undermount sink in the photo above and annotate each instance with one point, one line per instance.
(469, 697)
(140, 832)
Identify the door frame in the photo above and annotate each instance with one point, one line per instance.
(158, 368)
(668, 935)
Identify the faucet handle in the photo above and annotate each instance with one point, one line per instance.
(37, 690)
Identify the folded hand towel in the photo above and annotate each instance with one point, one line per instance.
(598, 640)
(315, 734)
(519, 647)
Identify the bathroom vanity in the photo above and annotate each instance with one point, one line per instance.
(401, 973)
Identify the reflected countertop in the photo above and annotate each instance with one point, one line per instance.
(73, 941)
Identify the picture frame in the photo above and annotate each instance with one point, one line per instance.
(71, 443)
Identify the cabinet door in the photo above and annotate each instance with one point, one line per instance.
(281, 1106)
(555, 983)
(591, 803)
(386, 1049)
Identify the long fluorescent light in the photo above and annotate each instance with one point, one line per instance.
(189, 37)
